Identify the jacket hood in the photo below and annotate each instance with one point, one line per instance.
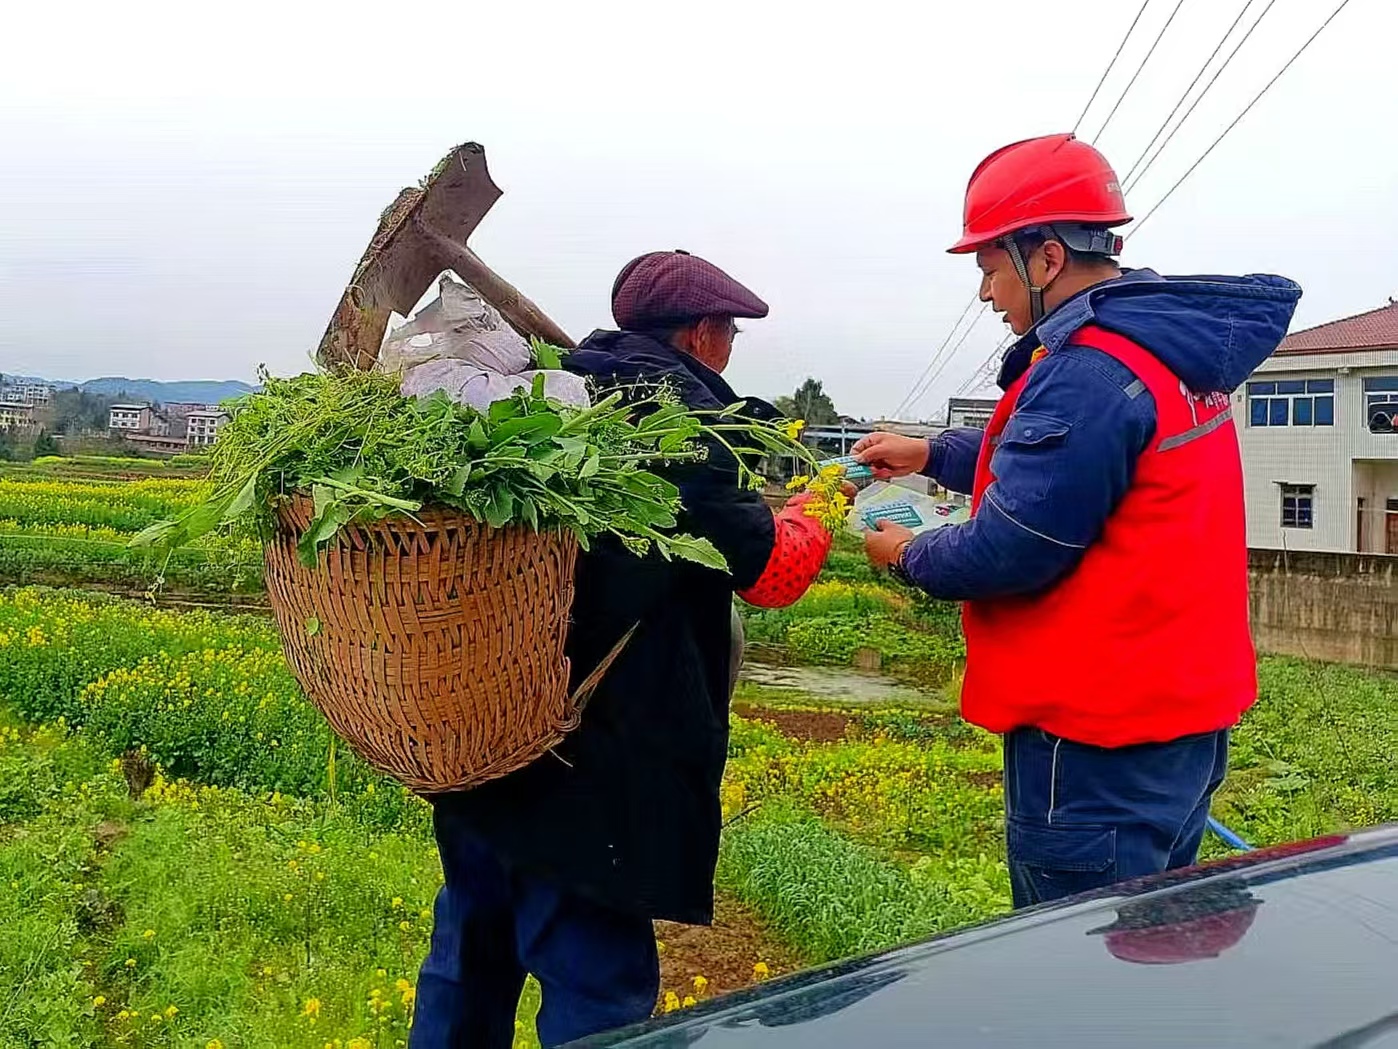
(1211, 331)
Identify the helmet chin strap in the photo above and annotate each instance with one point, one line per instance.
(1036, 291)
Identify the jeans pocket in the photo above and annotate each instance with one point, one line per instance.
(1050, 861)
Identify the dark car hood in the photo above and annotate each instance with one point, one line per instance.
(1295, 946)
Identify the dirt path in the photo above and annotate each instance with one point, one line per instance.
(812, 726)
(727, 955)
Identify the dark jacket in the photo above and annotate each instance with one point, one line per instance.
(1053, 499)
(626, 810)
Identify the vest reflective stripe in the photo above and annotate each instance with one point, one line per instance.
(1147, 640)
(1202, 430)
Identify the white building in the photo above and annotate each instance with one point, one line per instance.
(1316, 427)
(201, 427)
(35, 393)
(971, 411)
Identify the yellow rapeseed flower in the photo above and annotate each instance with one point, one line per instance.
(311, 1008)
(761, 971)
(171, 1012)
(700, 984)
(99, 1001)
(672, 1001)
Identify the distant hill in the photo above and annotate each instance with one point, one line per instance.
(193, 391)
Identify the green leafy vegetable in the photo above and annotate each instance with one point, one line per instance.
(363, 452)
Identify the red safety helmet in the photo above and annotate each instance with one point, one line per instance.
(1038, 182)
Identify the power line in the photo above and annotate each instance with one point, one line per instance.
(982, 374)
(1197, 76)
(1112, 64)
(932, 382)
(1132, 83)
(932, 362)
(1195, 105)
(932, 374)
(923, 385)
(1236, 120)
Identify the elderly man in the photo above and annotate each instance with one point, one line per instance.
(559, 869)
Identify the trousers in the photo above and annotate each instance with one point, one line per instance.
(1080, 817)
(598, 968)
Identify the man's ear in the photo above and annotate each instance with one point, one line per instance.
(1055, 257)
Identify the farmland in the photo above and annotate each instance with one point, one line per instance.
(63, 522)
(193, 861)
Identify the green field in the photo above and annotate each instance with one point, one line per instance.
(193, 861)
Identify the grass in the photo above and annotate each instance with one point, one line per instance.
(196, 913)
(832, 898)
(887, 834)
(1315, 755)
(837, 619)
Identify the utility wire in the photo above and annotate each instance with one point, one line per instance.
(932, 362)
(1195, 104)
(1112, 65)
(951, 355)
(1236, 120)
(1197, 77)
(922, 385)
(983, 373)
(1132, 83)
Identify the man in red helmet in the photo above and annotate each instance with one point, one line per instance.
(1104, 568)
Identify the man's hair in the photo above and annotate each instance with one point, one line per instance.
(666, 332)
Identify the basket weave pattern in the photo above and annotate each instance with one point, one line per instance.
(435, 650)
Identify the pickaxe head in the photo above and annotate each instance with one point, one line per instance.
(421, 234)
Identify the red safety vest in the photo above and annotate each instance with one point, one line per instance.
(1147, 640)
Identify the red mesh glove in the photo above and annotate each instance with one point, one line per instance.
(796, 559)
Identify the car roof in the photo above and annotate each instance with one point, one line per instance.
(1291, 946)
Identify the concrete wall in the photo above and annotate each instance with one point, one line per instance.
(1337, 607)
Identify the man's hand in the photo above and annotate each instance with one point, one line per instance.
(892, 455)
(884, 546)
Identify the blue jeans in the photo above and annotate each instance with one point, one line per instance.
(597, 967)
(1080, 817)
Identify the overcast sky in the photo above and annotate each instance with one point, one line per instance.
(185, 188)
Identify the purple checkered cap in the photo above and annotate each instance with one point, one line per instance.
(672, 287)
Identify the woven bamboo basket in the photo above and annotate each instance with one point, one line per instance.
(434, 649)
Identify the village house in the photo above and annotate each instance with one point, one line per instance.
(136, 418)
(40, 395)
(16, 416)
(202, 426)
(1316, 425)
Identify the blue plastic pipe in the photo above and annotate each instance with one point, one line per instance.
(1229, 838)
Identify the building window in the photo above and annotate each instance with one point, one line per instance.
(1381, 403)
(1294, 402)
(1297, 501)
